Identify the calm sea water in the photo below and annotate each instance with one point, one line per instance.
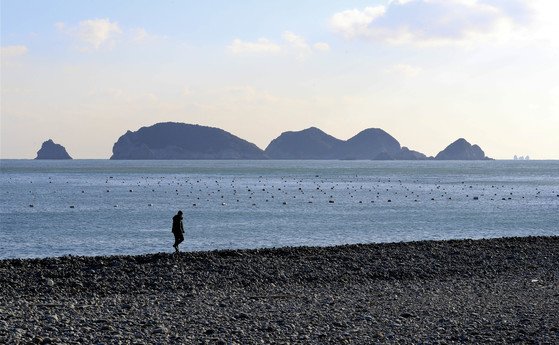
(102, 207)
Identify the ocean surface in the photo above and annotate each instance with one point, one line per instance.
(103, 207)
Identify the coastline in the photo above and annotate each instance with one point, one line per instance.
(456, 291)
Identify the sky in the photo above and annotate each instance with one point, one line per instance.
(426, 71)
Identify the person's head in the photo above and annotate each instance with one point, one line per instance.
(180, 213)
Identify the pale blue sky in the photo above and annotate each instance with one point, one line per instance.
(428, 72)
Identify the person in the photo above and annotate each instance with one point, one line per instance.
(178, 230)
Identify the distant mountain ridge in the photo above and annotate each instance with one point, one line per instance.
(172, 140)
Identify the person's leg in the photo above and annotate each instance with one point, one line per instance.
(178, 239)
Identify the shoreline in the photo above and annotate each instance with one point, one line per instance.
(250, 251)
(457, 291)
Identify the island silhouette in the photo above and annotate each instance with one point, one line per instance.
(175, 141)
(52, 150)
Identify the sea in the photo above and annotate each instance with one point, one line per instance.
(104, 207)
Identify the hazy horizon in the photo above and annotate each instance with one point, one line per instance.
(426, 72)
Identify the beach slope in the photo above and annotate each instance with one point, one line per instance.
(462, 291)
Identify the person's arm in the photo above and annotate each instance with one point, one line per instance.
(182, 228)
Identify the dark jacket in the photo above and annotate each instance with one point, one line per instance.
(177, 225)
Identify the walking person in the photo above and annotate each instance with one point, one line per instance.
(178, 230)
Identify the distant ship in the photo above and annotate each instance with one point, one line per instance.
(521, 158)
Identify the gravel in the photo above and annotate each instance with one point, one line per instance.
(461, 291)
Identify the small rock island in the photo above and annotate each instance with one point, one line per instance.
(461, 149)
(51, 150)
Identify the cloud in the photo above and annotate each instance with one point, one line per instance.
(291, 44)
(433, 22)
(92, 34)
(404, 70)
(141, 35)
(547, 26)
(8, 52)
(261, 46)
(296, 43)
(321, 46)
(353, 23)
(95, 34)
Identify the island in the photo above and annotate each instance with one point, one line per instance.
(310, 143)
(51, 150)
(313, 143)
(172, 140)
(461, 149)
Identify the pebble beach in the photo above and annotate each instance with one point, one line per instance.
(460, 291)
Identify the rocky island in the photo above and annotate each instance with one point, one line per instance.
(461, 149)
(51, 150)
(376, 144)
(171, 140)
(312, 143)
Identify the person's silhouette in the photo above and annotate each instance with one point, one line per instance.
(178, 230)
